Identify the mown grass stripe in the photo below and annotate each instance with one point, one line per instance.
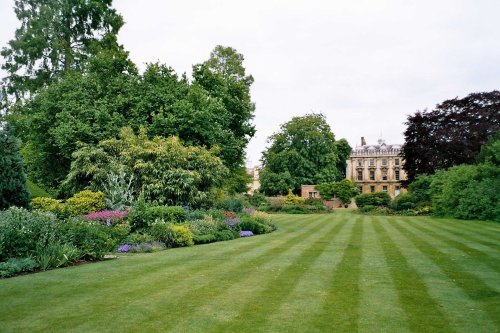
(153, 272)
(427, 317)
(268, 300)
(295, 311)
(481, 229)
(340, 310)
(467, 235)
(462, 312)
(379, 297)
(486, 298)
(485, 258)
(198, 292)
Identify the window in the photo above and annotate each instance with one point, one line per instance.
(360, 175)
(360, 188)
(360, 162)
(372, 188)
(396, 161)
(372, 162)
(384, 162)
(396, 174)
(384, 188)
(372, 175)
(313, 195)
(384, 175)
(397, 190)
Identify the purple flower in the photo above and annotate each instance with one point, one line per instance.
(246, 233)
(124, 248)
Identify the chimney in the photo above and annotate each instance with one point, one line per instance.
(363, 142)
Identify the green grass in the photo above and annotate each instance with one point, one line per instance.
(36, 191)
(318, 273)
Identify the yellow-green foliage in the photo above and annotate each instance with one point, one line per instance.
(180, 236)
(45, 204)
(170, 234)
(291, 199)
(85, 202)
(261, 216)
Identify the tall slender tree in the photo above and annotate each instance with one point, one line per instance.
(56, 36)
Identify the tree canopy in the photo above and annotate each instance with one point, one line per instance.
(56, 36)
(451, 134)
(344, 190)
(93, 106)
(304, 151)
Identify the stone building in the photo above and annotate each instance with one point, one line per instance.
(255, 184)
(376, 168)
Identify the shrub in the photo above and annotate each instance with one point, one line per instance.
(375, 199)
(22, 231)
(367, 208)
(247, 223)
(314, 202)
(45, 204)
(137, 215)
(233, 203)
(403, 202)
(204, 226)
(257, 199)
(173, 214)
(293, 200)
(204, 239)
(14, 266)
(92, 239)
(196, 214)
(225, 235)
(137, 238)
(85, 202)
(261, 217)
(294, 209)
(172, 235)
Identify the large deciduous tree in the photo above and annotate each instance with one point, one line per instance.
(56, 36)
(80, 107)
(224, 78)
(304, 151)
(451, 134)
(13, 188)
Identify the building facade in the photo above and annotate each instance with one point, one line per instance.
(376, 168)
(255, 184)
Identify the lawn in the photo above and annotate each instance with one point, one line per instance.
(317, 273)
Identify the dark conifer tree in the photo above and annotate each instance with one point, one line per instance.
(13, 188)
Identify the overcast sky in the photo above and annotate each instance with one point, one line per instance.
(365, 64)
